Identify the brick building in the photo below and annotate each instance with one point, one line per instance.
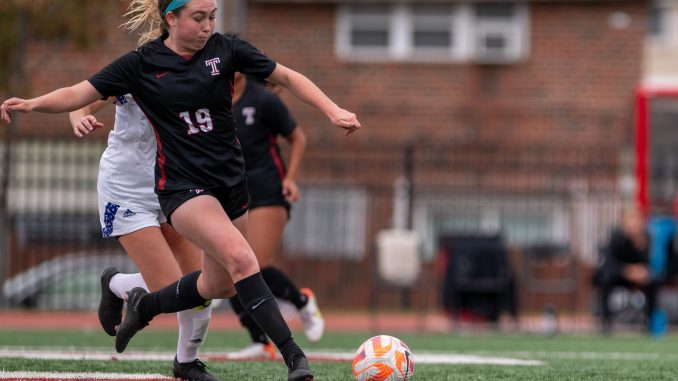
(504, 117)
(515, 106)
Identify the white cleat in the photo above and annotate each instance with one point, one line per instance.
(254, 351)
(314, 324)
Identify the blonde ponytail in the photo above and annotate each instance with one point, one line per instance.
(144, 14)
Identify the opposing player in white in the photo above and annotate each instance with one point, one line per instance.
(129, 211)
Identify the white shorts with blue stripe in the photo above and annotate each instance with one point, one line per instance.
(117, 219)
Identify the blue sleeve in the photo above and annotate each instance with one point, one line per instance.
(118, 77)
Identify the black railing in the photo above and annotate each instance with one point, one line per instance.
(561, 196)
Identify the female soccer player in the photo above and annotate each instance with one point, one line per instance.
(260, 117)
(182, 81)
(129, 210)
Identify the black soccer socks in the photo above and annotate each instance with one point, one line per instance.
(282, 287)
(257, 335)
(178, 296)
(261, 305)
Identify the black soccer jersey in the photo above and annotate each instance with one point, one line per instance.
(187, 100)
(260, 117)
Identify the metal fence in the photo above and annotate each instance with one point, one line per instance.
(532, 197)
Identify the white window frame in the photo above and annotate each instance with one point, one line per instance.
(516, 34)
(664, 6)
(344, 28)
(456, 49)
(668, 36)
(465, 28)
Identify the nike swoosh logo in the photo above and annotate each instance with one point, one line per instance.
(160, 75)
(136, 303)
(254, 307)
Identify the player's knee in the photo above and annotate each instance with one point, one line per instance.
(212, 287)
(242, 264)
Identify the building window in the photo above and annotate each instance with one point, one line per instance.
(497, 33)
(433, 29)
(656, 26)
(370, 26)
(328, 223)
(483, 32)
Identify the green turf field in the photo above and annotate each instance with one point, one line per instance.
(620, 357)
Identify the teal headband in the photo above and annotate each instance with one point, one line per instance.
(175, 4)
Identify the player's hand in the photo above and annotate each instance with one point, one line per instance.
(85, 125)
(290, 190)
(14, 104)
(346, 120)
(637, 273)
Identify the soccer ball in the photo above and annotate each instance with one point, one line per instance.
(383, 358)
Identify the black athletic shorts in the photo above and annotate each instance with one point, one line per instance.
(235, 200)
(266, 191)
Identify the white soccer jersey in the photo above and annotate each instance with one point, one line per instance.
(126, 173)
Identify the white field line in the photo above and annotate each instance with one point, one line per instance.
(423, 358)
(16, 376)
(547, 355)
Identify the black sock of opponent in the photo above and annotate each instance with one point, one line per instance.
(282, 286)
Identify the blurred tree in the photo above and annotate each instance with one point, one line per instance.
(79, 22)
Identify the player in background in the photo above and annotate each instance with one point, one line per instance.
(183, 82)
(260, 117)
(129, 210)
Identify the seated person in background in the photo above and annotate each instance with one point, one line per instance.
(671, 261)
(626, 264)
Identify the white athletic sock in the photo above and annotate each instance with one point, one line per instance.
(193, 325)
(121, 283)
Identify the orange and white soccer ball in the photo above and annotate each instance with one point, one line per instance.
(383, 358)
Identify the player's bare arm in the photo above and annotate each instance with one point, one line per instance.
(58, 101)
(304, 89)
(297, 141)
